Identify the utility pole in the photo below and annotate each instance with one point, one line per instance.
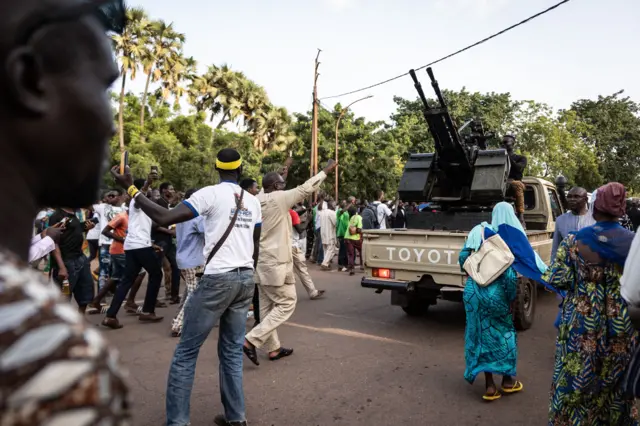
(314, 124)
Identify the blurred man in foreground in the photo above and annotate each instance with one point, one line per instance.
(55, 124)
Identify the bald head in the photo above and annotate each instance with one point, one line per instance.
(577, 200)
(272, 181)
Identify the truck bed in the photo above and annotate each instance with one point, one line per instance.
(413, 253)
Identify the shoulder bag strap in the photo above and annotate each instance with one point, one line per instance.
(228, 230)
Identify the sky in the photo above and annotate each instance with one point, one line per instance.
(583, 49)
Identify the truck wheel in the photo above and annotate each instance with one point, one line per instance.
(525, 304)
(417, 307)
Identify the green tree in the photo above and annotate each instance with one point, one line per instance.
(613, 131)
(553, 146)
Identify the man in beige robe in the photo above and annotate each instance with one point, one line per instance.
(274, 272)
(328, 231)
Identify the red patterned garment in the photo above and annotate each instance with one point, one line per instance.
(54, 369)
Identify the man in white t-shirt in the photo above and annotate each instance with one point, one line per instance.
(383, 211)
(106, 211)
(223, 293)
(139, 253)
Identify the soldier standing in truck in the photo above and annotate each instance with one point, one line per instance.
(518, 164)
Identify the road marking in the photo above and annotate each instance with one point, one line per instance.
(357, 318)
(349, 333)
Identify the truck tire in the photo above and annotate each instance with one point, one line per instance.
(525, 304)
(417, 307)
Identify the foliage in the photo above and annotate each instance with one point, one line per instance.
(612, 129)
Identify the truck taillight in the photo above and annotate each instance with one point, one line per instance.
(382, 273)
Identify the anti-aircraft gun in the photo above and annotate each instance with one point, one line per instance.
(462, 174)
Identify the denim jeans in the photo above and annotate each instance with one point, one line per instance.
(105, 266)
(80, 279)
(225, 297)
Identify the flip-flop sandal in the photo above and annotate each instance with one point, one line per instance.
(95, 311)
(282, 352)
(492, 397)
(251, 354)
(517, 387)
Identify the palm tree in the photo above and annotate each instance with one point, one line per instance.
(270, 129)
(163, 50)
(129, 48)
(221, 91)
(180, 71)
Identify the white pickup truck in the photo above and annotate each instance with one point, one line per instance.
(421, 266)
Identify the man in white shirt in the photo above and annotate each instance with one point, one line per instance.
(106, 211)
(298, 250)
(223, 293)
(139, 253)
(328, 222)
(274, 272)
(382, 209)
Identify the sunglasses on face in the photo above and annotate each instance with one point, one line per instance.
(110, 13)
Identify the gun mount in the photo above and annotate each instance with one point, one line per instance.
(461, 171)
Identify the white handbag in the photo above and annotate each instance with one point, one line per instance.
(490, 261)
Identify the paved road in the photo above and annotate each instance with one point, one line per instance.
(358, 361)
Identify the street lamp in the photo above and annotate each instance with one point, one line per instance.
(344, 110)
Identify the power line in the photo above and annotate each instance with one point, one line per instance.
(532, 17)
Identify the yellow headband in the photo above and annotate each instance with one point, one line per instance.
(228, 166)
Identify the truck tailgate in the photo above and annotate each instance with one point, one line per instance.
(411, 254)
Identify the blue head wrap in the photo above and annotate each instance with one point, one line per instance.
(505, 223)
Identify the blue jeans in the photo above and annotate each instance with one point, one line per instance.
(105, 266)
(80, 279)
(225, 297)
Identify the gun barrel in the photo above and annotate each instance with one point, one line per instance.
(436, 88)
(418, 87)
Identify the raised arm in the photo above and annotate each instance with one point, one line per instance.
(158, 214)
(300, 193)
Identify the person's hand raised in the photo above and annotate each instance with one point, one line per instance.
(125, 180)
(331, 166)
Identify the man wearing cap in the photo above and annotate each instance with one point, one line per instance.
(274, 273)
(223, 293)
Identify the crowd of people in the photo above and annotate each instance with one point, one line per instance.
(228, 239)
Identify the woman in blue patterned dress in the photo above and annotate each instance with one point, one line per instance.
(490, 337)
(595, 337)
